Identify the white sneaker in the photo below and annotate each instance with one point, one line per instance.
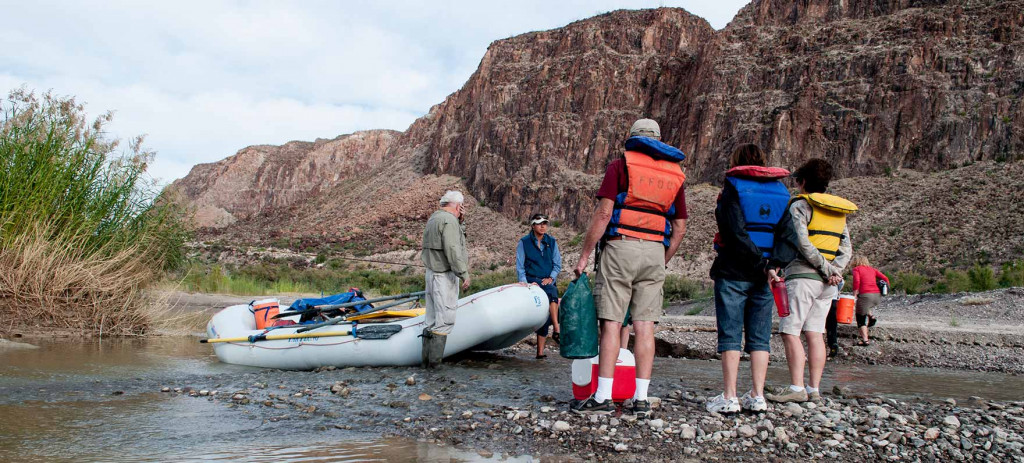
(720, 404)
(754, 404)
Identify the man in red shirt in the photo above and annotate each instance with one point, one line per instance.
(640, 220)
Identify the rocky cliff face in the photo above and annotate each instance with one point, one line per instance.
(871, 85)
(545, 111)
(874, 86)
(262, 178)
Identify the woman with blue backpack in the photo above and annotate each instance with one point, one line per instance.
(751, 207)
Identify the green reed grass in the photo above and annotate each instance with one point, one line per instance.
(68, 190)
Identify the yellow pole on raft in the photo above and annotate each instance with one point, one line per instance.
(274, 337)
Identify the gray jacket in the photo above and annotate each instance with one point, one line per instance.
(444, 245)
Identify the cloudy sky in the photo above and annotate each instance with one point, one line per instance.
(204, 79)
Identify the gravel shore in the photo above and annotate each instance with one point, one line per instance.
(472, 405)
(978, 331)
(508, 405)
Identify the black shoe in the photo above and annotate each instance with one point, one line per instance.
(833, 351)
(641, 409)
(593, 407)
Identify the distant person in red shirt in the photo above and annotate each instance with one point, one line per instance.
(865, 289)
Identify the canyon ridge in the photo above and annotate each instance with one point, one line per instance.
(916, 103)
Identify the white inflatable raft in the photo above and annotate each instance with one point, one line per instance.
(489, 320)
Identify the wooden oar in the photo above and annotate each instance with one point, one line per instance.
(336, 320)
(321, 308)
(361, 332)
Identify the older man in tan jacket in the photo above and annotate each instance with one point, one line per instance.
(447, 261)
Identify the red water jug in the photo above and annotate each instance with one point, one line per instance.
(781, 297)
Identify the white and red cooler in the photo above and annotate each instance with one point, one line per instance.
(584, 377)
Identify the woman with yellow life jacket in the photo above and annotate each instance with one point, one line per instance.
(823, 249)
(752, 205)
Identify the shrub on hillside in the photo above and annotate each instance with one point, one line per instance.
(982, 278)
(953, 281)
(910, 282)
(83, 230)
(678, 288)
(1012, 275)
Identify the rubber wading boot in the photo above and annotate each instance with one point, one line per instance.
(425, 356)
(437, 342)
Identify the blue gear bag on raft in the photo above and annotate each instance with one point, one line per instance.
(305, 304)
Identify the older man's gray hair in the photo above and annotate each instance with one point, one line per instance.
(452, 196)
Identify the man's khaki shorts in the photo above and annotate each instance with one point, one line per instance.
(630, 276)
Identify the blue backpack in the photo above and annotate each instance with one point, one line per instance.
(763, 200)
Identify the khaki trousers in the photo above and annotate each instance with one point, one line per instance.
(442, 297)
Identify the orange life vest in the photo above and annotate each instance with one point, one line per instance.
(643, 210)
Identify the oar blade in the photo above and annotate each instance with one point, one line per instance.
(287, 314)
(377, 331)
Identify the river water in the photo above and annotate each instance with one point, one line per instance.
(100, 401)
(95, 400)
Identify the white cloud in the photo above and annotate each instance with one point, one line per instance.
(204, 79)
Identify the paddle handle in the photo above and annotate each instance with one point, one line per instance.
(274, 337)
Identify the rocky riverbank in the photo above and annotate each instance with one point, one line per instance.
(510, 405)
(967, 406)
(978, 331)
(475, 405)
(503, 404)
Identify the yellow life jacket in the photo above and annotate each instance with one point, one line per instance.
(828, 220)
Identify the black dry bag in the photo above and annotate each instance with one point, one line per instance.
(577, 318)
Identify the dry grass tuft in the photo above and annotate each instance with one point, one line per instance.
(50, 283)
(976, 300)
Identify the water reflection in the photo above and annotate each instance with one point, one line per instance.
(160, 428)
